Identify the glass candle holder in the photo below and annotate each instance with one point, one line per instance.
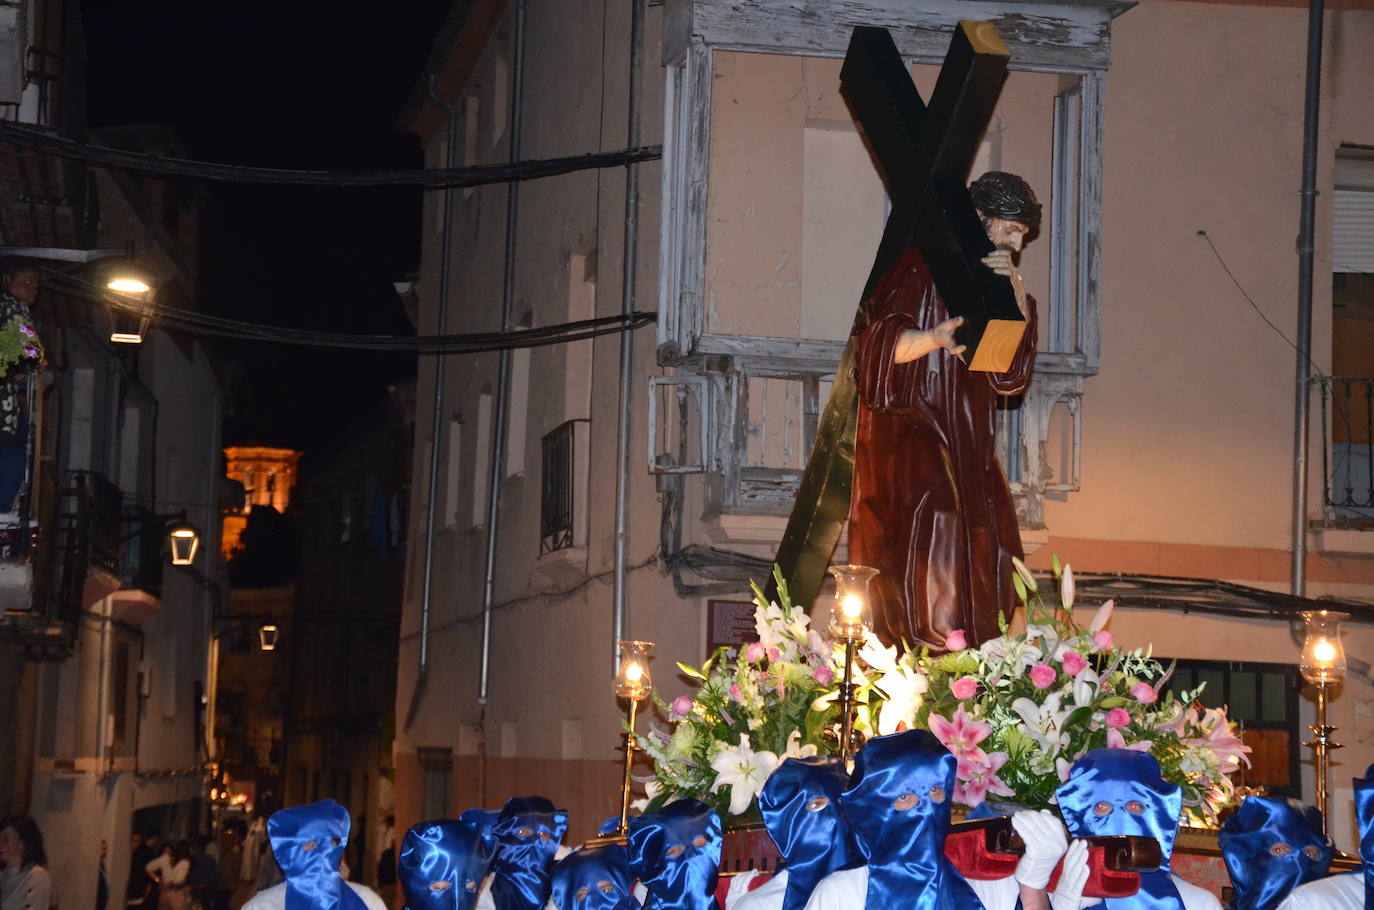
(1323, 658)
(852, 616)
(632, 680)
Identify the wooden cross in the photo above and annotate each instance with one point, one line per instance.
(925, 153)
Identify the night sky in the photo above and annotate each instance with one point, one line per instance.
(295, 84)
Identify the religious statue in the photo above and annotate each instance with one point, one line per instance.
(931, 509)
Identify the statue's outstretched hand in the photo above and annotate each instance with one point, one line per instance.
(943, 335)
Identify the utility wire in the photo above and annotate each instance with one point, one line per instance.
(439, 178)
(470, 343)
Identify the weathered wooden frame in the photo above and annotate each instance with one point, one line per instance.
(1069, 37)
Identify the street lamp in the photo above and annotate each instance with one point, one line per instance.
(1323, 664)
(134, 287)
(267, 636)
(183, 540)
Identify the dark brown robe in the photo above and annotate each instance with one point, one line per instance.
(931, 509)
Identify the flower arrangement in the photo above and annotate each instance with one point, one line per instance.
(752, 709)
(1016, 712)
(18, 343)
(1019, 710)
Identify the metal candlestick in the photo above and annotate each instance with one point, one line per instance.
(1321, 744)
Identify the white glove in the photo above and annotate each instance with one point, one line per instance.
(1046, 842)
(1068, 892)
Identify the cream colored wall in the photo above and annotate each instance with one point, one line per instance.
(1188, 433)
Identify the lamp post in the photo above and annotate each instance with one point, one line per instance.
(632, 683)
(1323, 665)
(850, 619)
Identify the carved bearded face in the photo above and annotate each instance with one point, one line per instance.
(1004, 234)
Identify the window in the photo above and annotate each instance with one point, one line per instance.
(1347, 396)
(453, 475)
(481, 460)
(436, 770)
(556, 498)
(1263, 700)
(769, 196)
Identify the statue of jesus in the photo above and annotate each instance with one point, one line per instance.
(931, 509)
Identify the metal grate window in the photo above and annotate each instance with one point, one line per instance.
(556, 499)
(436, 768)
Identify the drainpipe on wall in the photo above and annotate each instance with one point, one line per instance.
(1306, 231)
(498, 445)
(627, 306)
(436, 427)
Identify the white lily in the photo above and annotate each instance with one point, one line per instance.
(765, 618)
(1026, 575)
(1044, 723)
(795, 749)
(1066, 588)
(744, 771)
(1085, 686)
(1100, 618)
(904, 688)
(876, 656)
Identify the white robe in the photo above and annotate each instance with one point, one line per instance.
(848, 888)
(274, 898)
(1339, 892)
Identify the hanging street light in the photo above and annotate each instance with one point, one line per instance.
(135, 286)
(183, 541)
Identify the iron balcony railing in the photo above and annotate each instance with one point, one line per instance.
(1347, 417)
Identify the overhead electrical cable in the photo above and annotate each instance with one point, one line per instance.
(470, 343)
(439, 178)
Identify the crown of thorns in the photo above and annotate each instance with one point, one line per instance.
(998, 194)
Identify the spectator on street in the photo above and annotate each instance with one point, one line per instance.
(170, 871)
(24, 881)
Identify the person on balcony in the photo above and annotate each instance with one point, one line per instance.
(18, 294)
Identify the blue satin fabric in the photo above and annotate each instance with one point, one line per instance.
(898, 806)
(481, 819)
(1364, 817)
(801, 809)
(675, 854)
(529, 831)
(1266, 844)
(442, 865)
(308, 842)
(1120, 781)
(595, 878)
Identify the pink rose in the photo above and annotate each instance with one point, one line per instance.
(682, 705)
(956, 641)
(1042, 676)
(1144, 693)
(1102, 639)
(774, 654)
(735, 693)
(1118, 717)
(755, 652)
(964, 687)
(1074, 663)
(823, 675)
